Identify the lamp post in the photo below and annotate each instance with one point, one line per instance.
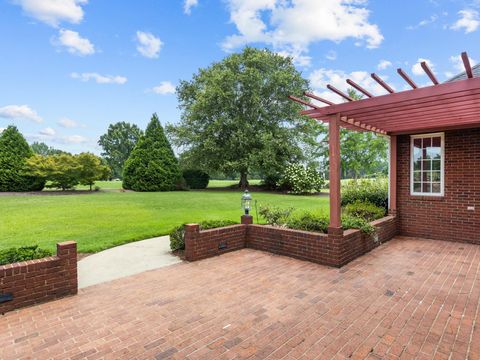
(246, 202)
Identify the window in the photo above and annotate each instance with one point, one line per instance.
(427, 165)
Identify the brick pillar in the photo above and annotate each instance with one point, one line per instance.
(247, 219)
(67, 252)
(191, 233)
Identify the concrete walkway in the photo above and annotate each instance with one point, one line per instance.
(125, 260)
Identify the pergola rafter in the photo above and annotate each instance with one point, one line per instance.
(439, 107)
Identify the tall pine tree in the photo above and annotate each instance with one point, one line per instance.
(152, 165)
(14, 152)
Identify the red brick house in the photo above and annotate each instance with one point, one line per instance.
(434, 135)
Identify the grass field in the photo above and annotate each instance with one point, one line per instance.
(104, 219)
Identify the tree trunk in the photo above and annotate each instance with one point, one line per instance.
(243, 180)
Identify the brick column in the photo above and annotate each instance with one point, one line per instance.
(191, 234)
(67, 252)
(247, 219)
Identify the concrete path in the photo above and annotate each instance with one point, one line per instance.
(125, 260)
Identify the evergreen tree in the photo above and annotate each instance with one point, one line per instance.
(14, 152)
(152, 165)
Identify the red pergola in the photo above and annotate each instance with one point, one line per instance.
(446, 106)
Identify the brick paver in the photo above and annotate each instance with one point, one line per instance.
(409, 298)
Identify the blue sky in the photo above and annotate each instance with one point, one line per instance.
(69, 68)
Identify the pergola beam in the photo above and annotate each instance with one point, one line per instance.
(359, 88)
(338, 92)
(335, 226)
(407, 78)
(429, 72)
(318, 98)
(303, 102)
(466, 64)
(382, 83)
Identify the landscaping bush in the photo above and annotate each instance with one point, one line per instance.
(196, 179)
(309, 222)
(364, 210)
(271, 181)
(300, 180)
(152, 165)
(13, 255)
(177, 235)
(274, 215)
(374, 191)
(352, 222)
(14, 153)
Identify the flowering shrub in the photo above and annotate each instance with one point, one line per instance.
(374, 191)
(300, 180)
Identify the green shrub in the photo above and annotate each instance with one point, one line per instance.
(271, 181)
(364, 210)
(152, 165)
(13, 255)
(196, 179)
(274, 215)
(374, 191)
(351, 222)
(300, 180)
(177, 235)
(309, 222)
(14, 153)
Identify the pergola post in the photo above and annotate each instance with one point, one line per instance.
(392, 196)
(335, 227)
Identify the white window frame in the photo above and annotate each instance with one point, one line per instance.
(442, 164)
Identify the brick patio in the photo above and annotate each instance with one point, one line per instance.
(409, 298)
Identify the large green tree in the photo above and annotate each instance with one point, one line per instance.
(117, 144)
(362, 153)
(152, 165)
(14, 153)
(41, 148)
(236, 115)
(91, 169)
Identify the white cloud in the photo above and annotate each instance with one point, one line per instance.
(188, 5)
(417, 68)
(99, 79)
(331, 55)
(52, 12)
(74, 139)
(457, 62)
(165, 87)
(19, 112)
(69, 123)
(291, 26)
(384, 64)
(320, 78)
(148, 44)
(424, 22)
(74, 43)
(48, 131)
(469, 21)
(2, 130)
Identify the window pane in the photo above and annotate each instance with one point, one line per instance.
(417, 187)
(417, 176)
(417, 149)
(436, 176)
(437, 141)
(435, 151)
(427, 165)
(417, 165)
(436, 188)
(427, 176)
(436, 164)
(426, 188)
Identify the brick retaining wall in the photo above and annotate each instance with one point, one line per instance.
(332, 250)
(35, 281)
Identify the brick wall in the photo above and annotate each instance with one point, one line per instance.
(208, 243)
(35, 281)
(332, 250)
(447, 217)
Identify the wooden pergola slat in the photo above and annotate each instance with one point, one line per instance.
(466, 64)
(338, 92)
(318, 98)
(407, 78)
(429, 72)
(359, 88)
(382, 83)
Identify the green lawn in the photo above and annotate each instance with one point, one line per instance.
(227, 183)
(104, 219)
